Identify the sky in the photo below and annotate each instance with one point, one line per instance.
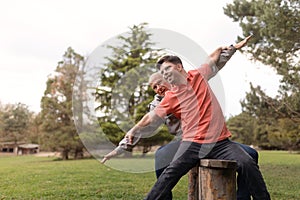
(35, 34)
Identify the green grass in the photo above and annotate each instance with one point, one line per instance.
(281, 171)
(29, 177)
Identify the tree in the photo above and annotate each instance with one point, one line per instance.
(242, 128)
(35, 131)
(276, 29)
(123, 88)
(58, 122)
(122, 69)
(285, 135)
(15, 122)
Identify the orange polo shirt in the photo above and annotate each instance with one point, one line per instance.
(195, 104)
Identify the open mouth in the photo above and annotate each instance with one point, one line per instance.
(162, 92)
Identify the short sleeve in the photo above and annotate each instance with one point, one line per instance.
(207, 71)
(164, 107)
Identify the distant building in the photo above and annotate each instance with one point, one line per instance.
(9, 148)
(25, 149)
(12, 148)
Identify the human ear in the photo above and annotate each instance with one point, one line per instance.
(179, 67)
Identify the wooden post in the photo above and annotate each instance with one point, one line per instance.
(214, 180)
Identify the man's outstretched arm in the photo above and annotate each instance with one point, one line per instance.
(147, 120)
(227, 52)
(218, 59)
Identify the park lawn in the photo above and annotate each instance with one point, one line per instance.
(30, 177)
(281, 171)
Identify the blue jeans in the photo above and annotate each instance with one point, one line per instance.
(189, 154)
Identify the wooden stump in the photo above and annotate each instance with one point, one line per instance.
(214, 180)
(193, 184)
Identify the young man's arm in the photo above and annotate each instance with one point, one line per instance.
(227, 52)
(148, 119)
(218, 59)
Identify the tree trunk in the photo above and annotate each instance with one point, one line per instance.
(65, 154)
(78, 153)
(146, 149)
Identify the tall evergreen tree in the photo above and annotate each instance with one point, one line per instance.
(58, 122)
(123, 82)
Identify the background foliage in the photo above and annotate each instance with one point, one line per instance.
(275, 26)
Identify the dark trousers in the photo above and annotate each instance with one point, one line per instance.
(163, 157)
(242, 189)
(189, 154)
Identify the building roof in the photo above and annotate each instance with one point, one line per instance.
(29, 146)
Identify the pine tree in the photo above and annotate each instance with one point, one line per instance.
(123, 88)
(58, 121)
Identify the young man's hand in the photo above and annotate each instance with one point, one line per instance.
(104, 160)
(242, 43)
(129, 135)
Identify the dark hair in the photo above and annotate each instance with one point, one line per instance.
(168, 58)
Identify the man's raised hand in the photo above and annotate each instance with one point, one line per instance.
(242, 43)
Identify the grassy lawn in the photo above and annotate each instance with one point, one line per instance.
(281, 171)
(29, 177)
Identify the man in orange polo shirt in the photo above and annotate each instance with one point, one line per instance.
(164, 155)
(205, 134)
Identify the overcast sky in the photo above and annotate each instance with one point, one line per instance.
(35, 34)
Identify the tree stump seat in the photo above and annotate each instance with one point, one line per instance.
(213, 179)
